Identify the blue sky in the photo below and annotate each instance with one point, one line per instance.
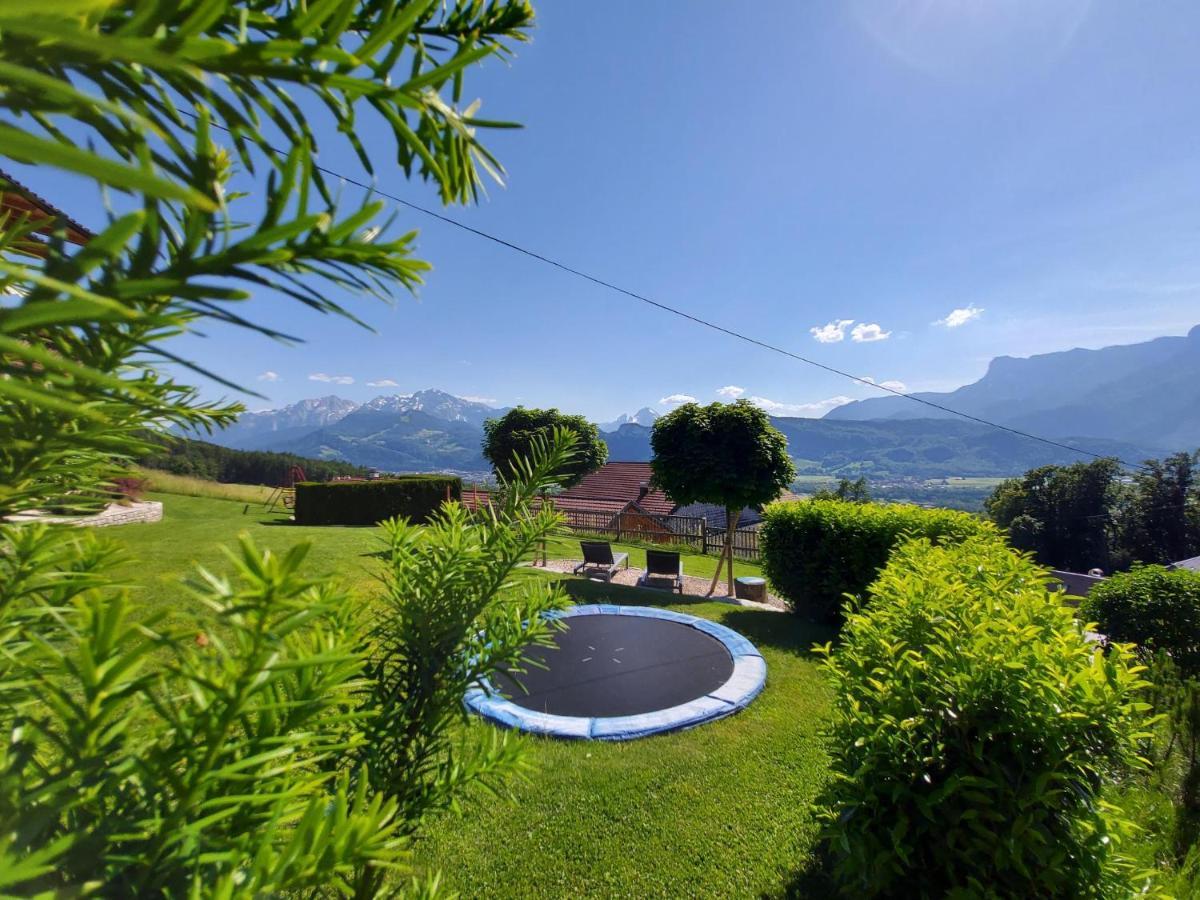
(1026, 174)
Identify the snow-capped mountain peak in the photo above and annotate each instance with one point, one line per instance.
(644, 416)
(438, 404)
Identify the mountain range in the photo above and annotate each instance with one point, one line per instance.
(1146, 393)
(644, 416)
(1133, 401)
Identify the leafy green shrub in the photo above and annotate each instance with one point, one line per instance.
(1154, 607)
(287, 739)
(973, 730)
(412, 497)
(816, 551)
(226, 758)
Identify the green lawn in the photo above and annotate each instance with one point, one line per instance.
(195, 528)
(723, 810)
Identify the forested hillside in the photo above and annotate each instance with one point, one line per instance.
(184, 456)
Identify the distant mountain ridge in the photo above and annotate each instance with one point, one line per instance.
(1147, 393)
(273, 428)
(432, 430)
(917, 448)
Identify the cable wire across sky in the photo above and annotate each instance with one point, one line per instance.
(683, 314)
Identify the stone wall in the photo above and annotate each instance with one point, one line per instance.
(115, 514)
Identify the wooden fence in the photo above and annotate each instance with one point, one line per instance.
(691, 532)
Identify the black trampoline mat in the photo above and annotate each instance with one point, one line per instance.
(615, 665)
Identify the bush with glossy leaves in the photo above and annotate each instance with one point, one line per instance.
(973, 733)
(1154, 607)
(816, 552)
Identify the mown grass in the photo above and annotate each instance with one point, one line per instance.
(723, 810)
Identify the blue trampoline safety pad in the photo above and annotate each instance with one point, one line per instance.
(603, 674)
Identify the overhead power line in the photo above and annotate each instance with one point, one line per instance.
(675, 311)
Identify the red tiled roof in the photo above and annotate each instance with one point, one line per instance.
(18, 199)
(473, 498)
(588, 504)
(623, 481)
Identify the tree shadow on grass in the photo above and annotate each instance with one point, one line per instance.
(780, 631)
(584, 590)
(812, 880)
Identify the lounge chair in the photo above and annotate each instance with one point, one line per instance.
(598, 559)
(663, 569)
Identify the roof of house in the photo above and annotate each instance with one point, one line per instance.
(624, 481)
(615, 485)
(714, 515)
(1075, 584)
(1193, 564)
(16, 198)
(477, 498)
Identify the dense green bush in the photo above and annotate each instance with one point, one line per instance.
(974, 728)
(1154, 607)
(412, 497)
(817, 551)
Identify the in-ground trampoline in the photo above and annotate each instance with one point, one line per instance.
(622, 672)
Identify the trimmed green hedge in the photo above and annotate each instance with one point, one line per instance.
(974, 733)
(1152, 606)
(414, 497)
(815, 552)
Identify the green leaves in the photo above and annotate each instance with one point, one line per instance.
(455, 610)
(28, 148)
(973, 731)
(1151, 606)
(821, 555)
(723, 453)
(510, 440)
(227, 758)
(134, 96)
(185, 764)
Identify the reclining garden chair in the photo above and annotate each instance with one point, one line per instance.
(598, 559)
(664, 568)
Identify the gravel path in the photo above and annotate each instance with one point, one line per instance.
(693, 585)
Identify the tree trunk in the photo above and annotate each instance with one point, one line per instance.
(731, 519)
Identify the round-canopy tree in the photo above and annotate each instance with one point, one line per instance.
(511, 437)
(724, 453)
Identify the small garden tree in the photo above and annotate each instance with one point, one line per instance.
(724, 453)
(510, 438)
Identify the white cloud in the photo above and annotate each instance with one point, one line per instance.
(269, 376)
(958, 317)
(383, 382)
(732, 391)
(866, 334)
(804, 410)
(331, 379)
(892, 384)
(677, 399)
(470, 398)
(833, 332)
